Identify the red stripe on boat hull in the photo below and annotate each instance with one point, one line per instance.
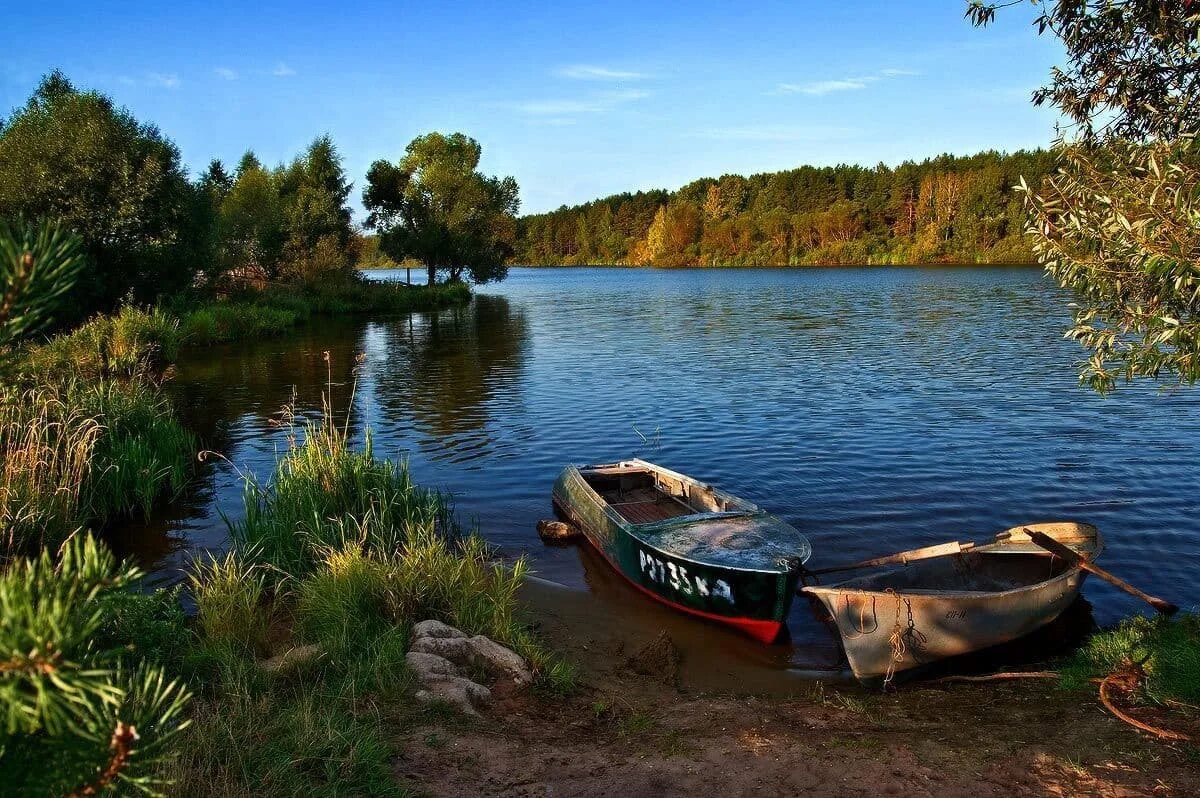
(764, 631)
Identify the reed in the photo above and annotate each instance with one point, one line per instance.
(46, 449)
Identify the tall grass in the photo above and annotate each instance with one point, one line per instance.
(325, 496)
(284, 740)
(144, 452)
(364, 541)
(224, 322)
(46, 450)
(78, 452)
(229, 602)
(131, 342)
(340, 549)
(275, 310)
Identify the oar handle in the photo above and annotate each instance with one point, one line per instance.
(1054, 547)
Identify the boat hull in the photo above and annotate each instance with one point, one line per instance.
(947, 625)
(754, 602)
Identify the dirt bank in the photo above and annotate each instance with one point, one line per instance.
(725, 723)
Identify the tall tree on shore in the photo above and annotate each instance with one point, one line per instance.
(1117, 224)
(251, 222)
(74, 156)
(434, 205)
(314, 193)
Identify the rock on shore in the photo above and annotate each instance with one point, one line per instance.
(438, 655)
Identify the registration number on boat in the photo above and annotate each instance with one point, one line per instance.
(677, 577)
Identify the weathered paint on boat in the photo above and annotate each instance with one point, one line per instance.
(954, 605)
(732, 563)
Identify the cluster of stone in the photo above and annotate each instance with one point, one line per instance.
(439, 655)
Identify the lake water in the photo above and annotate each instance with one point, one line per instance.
(875, 409)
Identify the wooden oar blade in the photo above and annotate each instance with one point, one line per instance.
(1054, 547)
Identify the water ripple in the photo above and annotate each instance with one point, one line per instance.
(876, 409)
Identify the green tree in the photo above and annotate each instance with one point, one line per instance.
(1117, 224)
(435, 206)
(251, 221)
(1131, 65)
(216, 182)
(315, 192)
(75, 157)
(942, 208)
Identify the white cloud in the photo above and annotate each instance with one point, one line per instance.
(159, 80)
(226, 73)
(822, 87)
(592, 104)
(282, 70)
(591, 72)
(166, 81)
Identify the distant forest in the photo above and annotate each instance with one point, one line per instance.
(947, 209)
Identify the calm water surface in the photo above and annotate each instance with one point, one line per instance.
(876, 409)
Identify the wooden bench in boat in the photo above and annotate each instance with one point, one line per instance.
(646, 505)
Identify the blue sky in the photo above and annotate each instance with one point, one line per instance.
(576, 100)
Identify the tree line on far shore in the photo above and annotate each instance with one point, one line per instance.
(943, 209)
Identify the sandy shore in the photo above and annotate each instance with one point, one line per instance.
(686, 720)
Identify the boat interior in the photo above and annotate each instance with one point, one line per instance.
(644, 496)
(970, 572)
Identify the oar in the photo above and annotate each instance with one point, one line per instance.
(905, 557)
(1054, 547)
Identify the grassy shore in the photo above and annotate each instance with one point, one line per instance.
(87, 435)
(302, 628)
(293, 671)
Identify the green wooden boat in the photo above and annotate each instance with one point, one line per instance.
(687, 544)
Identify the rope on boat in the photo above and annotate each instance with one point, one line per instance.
(903, 640)
(862, 628)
